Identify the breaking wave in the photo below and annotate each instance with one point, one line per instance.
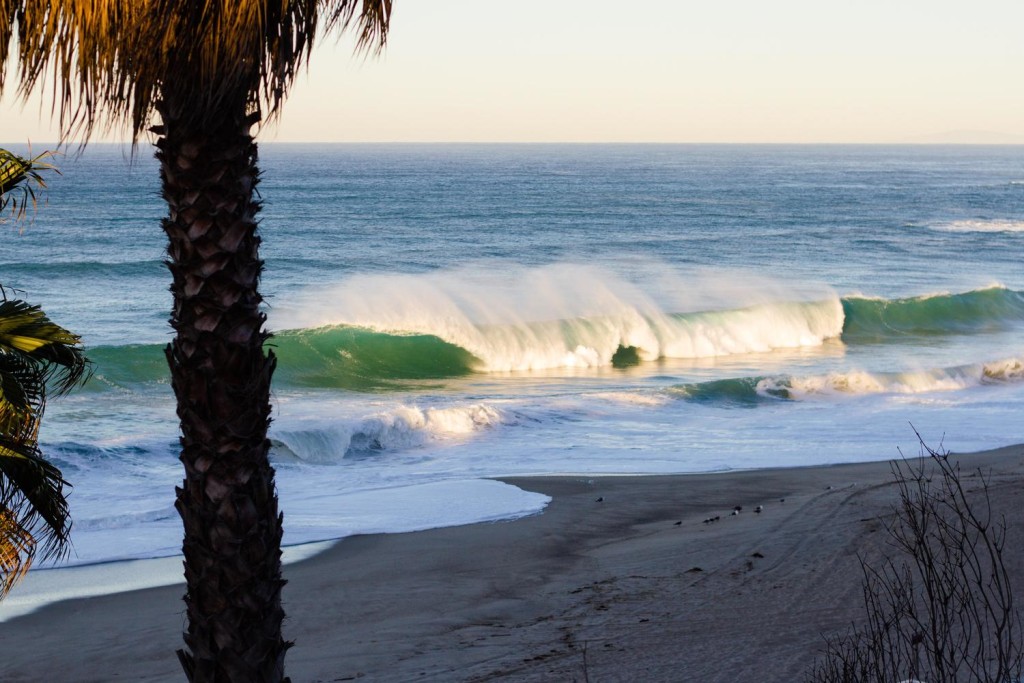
(986, 309)
(752, 391)
(398, 429)
(995, 225)
(395, 331)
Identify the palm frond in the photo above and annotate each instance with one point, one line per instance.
(17, 550)
(114, 61)
(20, 178)
(372, 24)
(25, 330)
(34, 516)
(7, 16)
(32, 490)
(22, 393)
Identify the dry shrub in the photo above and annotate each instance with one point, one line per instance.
(940, 610)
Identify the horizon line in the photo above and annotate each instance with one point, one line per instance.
(903, 143)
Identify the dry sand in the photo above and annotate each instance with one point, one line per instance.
(618, 580)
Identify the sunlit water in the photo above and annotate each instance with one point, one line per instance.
(449, 313)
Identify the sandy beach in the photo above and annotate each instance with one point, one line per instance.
(619, 579)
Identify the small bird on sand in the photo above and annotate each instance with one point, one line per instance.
(758, 509)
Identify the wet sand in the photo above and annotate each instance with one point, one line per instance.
(620, 579)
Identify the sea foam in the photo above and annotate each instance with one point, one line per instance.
(911, 382)
(980, 225)
(753, 391)
(399, 428)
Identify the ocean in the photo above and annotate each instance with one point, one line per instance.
(444, 314)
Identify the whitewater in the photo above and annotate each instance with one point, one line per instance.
(445, 314)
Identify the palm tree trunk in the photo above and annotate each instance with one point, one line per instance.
(221, 378)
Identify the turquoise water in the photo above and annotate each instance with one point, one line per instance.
(451, 312)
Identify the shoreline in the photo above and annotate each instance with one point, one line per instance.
(618, 577)
(49, 585)
(44, 586)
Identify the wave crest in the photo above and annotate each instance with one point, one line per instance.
(399, 429)
(568, 316)
(980, 225)
(753, 391)
(389, 332)
(986, 309)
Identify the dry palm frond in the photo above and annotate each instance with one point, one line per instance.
(373, 21)
(113, 61)
(17, 550)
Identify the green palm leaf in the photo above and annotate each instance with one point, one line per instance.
(19, 180)
(22, 388)
(35, 354)
(34, 514)
(26, 332)
(32, 491)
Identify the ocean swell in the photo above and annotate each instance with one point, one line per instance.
(406, 332)
(401, 428)
(754, 391)
(980, 310)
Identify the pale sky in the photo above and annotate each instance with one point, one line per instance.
(661, 71)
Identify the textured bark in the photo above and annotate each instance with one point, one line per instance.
(221, 378)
